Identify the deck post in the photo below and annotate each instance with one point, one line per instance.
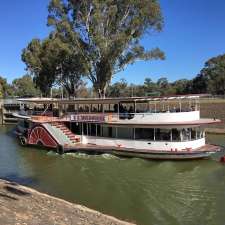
(82, 132)
(154, 134)
(181, 135)
(134, 133)
(180, 104)
(60, 110)
(171, 135)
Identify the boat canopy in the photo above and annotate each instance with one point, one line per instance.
(110, 100)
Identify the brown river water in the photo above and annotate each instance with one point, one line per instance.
(140, 191)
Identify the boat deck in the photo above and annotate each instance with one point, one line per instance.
(201, 152)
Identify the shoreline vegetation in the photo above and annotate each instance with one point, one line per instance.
(23, 205)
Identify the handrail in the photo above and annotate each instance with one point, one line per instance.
(93, 117)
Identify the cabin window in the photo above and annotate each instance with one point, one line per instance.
(124, 133)
(185, 134)
(175, 135)
(162, 135)
(144, 133)
(199, 133)
(193, 134)
(105, 131)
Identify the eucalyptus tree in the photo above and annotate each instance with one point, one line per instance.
(106, 33)
(51, 62)
(40, 59)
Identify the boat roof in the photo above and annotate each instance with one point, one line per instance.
(109, 100)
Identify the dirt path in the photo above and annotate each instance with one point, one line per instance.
(20, 205)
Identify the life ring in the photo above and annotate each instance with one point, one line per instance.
(23, 140)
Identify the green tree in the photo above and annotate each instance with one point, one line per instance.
(40, 61)
(149, 86)
(25, 86)
(53, 62)
(213, 74)
(118, 89)
(200, 84)
(1, 91)
(182, 86)
(106, 33)
(5, 88)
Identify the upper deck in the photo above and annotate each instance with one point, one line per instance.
(166, 110)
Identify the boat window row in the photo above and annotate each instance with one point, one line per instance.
(151, 134)
(125, 109)
(130, 108)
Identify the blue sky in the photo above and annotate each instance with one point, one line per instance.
(194, 31)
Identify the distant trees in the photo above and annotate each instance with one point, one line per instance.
(21, 87)
(25, 87)
(182, 86)
(118, 89)
(212, 76)
(5, 89)
(200, 84)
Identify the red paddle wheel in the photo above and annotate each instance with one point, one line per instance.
(40, 136)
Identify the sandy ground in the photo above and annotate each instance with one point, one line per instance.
(20, 205)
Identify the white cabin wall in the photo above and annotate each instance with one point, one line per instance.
(167, 117)
(143, 144)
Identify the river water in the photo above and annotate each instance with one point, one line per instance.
(136, 190)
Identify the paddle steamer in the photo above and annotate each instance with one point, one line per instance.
(147, 127)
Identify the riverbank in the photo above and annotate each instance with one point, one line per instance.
(23, 205)
(214, 108)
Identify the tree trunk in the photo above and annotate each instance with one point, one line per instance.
(101, 93)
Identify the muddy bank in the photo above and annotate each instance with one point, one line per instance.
(22, 205)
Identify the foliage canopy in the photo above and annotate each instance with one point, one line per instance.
(106, 34)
